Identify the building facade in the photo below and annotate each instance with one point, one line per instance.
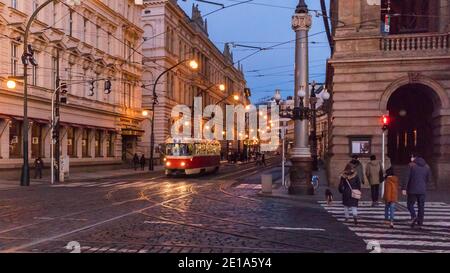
(171, 37)
(391, 58)
(96, 40)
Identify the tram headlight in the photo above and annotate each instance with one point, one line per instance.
(168, 164)
(183, 164)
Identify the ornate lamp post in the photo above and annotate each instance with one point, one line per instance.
(194, 66)
(27, 57)
(304, 114)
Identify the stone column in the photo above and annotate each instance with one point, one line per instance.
(79, 142)
(92, 143)
(301, 171)
(64, 141)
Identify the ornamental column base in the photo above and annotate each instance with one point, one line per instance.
(300, 176)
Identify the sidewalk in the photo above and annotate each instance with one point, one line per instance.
(83, 177)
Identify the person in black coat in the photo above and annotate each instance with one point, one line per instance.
(350, 181)
(142, 161)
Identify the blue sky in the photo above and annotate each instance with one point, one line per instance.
(264, 26)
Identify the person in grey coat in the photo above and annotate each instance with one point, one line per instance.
(415, 187)
(357, 165)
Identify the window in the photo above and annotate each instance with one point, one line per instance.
(85, 143)
(35, 5)
(413, 16)
(109, 44)
(98, 143)
(71, 145)
(97, 36)
(15, 139)
(36, 140)
(70, 23)
(85, 29)
(14, 59)
(110, 144)
(35, 71)
(14, 4)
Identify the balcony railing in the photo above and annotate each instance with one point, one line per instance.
(415, 42)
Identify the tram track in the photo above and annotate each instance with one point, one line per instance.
(39, 241)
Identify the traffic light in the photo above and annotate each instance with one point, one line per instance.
(385, 121)
(55, 134)
(64, 91)
(91, 89)
(108, 87)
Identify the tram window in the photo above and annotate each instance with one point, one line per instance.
(179, 149)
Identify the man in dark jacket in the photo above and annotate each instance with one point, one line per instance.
(38, 166)
(358, 168)
(415, 188)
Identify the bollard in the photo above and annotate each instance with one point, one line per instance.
(266, 183)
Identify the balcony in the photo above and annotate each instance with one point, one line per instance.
(415, 42)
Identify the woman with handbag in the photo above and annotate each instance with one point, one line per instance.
(350, 188)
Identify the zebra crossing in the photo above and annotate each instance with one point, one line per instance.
(434, 237)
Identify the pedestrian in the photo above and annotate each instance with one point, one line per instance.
(136, 161)
(350, 188)
(263, 159)
(415, 188)
(329, 196)
(391, 186)
(142, 161)
(38, 167)
(374, 174)
(358, 168)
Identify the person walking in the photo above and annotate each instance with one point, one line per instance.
(38, 167)
(263, 160)
(374, 174)
(391, 186)
(142, 161)
(350, 188)
(136, 161)
(415, 188)
(358, 168)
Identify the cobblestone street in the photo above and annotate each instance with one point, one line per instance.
(155, 214)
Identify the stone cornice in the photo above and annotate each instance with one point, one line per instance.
(384, 59)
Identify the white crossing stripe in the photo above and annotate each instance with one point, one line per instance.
(434, 237)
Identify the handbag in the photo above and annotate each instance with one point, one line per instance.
(356, 194)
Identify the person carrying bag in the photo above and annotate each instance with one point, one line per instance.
(350, 188)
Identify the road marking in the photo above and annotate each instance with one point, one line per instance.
(294, 228)
(434, 237)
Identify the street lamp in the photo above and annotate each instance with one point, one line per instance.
(193, 66)
(11, 84)
(27, 57)
(304, 113)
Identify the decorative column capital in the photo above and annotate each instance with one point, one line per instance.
(301, 21)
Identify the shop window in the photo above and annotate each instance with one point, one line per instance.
(36, 140)
(110, 144)
(71, 142)
(85, 143)
(15, 139)
(98, 143)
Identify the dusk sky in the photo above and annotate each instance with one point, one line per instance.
(264, 23)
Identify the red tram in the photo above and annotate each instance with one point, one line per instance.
(191, 156)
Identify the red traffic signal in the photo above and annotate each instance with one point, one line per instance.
(385, 121)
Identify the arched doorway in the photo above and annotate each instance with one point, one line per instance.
(411, 109)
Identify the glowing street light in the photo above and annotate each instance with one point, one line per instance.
(222, 87)
(193, 64)
(145, 113)
(11, 84)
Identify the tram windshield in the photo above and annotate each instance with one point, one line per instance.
(192, 149)
(179, 149)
